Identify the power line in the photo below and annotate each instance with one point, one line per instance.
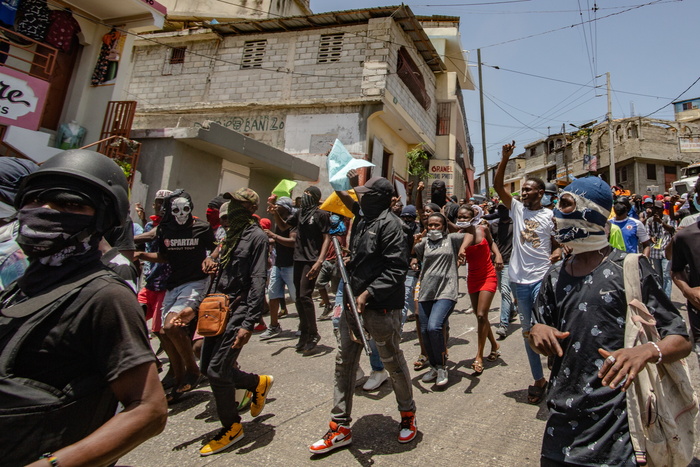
(673, 100)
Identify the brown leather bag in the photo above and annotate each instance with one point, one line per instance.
(214, 312)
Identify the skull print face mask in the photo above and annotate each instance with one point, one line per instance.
(181, 210)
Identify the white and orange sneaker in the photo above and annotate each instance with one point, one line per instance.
(336, 437)
(407, 428)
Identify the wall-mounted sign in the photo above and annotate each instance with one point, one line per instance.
(689, 144)
(442, 169)
(22, 99)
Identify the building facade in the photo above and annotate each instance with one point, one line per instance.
(371, 78)
(648, 154)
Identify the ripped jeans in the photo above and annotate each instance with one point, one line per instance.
(385, 329)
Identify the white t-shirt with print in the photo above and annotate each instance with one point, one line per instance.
(532, 243)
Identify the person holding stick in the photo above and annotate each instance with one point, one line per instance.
(376, 275)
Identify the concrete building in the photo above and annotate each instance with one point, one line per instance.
(648, 154)
(687, 110)
(182, 12)
(380, 80)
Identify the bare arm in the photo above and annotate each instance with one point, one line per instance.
(144, 416)
(146, 236)
(498, 184)
(498, 259)
(284, 241)
(646, 248)
(150, 257)
(344, 196)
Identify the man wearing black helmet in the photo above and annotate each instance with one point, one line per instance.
(73, 339)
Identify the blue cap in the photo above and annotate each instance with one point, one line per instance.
(409, 211)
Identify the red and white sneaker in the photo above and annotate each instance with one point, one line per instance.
(407, 428)
(336, 437)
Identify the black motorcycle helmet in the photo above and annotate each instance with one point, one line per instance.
(95, 174)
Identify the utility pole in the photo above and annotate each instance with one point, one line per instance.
(611, 136)
(483, 124)
(566, 159)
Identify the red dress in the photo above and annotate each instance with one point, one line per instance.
(482, 274)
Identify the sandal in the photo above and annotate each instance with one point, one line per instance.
(493, 356)
(535, 394)
(420, 363)
(478, 367)
(190, 382)
(173, 397)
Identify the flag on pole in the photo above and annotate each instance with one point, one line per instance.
(335, 205)
(340, 162)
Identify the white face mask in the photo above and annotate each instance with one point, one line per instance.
(435, 235)
(6, 211)
(181, 210)
(463, 225)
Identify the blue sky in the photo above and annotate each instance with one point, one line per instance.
(650, 48)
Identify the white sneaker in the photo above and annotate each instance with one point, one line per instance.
(376, 379)
(431, 375)
(442, 377)
(359, 375)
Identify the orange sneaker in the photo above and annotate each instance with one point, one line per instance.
(407, 428)
(336, 437)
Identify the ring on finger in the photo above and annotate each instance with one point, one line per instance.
(611, 359)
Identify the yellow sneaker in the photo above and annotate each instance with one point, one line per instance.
(260, 395)
(224, 439)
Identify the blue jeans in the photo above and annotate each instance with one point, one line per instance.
(526, 295)
(661, 267)
(505, 287)
(433, 316)
(375, 360)
(409, 304)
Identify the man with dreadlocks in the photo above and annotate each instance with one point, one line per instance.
(242, 275)
(311, 248)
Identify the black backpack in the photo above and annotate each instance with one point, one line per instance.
(42, 418)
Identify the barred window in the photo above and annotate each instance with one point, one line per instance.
(177, 55)
(330, 48)
(253, 53)
(443, 118)
(174, 61)
(411, 76)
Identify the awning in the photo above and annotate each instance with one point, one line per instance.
(239, 149)
(147, 15)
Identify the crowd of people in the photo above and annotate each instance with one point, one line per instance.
(70, 260)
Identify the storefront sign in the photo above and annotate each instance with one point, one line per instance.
(22, 99)
(442, 169)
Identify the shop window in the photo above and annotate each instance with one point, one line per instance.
(253, 54)
(330, 48)
(443, 118)
(651, 171)
(411, 76)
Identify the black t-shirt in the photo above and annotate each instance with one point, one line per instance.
(502, 233)
(310, 235)
(686, 252)
(101, 332)
(185, 248)
(122, 238)
(285, 254)
(588, 422)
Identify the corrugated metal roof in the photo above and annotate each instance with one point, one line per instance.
(403, 16)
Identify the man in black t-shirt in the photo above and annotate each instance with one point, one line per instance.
(282, 273)
(85, 344)
(183, 241)
(502, 233)
(685, 271)
(310, 249)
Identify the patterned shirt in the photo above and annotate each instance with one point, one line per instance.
(660, 237)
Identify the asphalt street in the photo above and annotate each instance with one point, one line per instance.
(477, 420)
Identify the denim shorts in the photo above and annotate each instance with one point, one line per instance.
(279, 276)
(189, 294)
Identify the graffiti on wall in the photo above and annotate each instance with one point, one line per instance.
(249, 124)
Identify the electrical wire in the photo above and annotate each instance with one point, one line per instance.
(673, 100)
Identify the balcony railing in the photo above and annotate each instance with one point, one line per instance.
(40, 58)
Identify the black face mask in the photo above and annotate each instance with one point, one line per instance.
(373, 204)
(44, 232)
